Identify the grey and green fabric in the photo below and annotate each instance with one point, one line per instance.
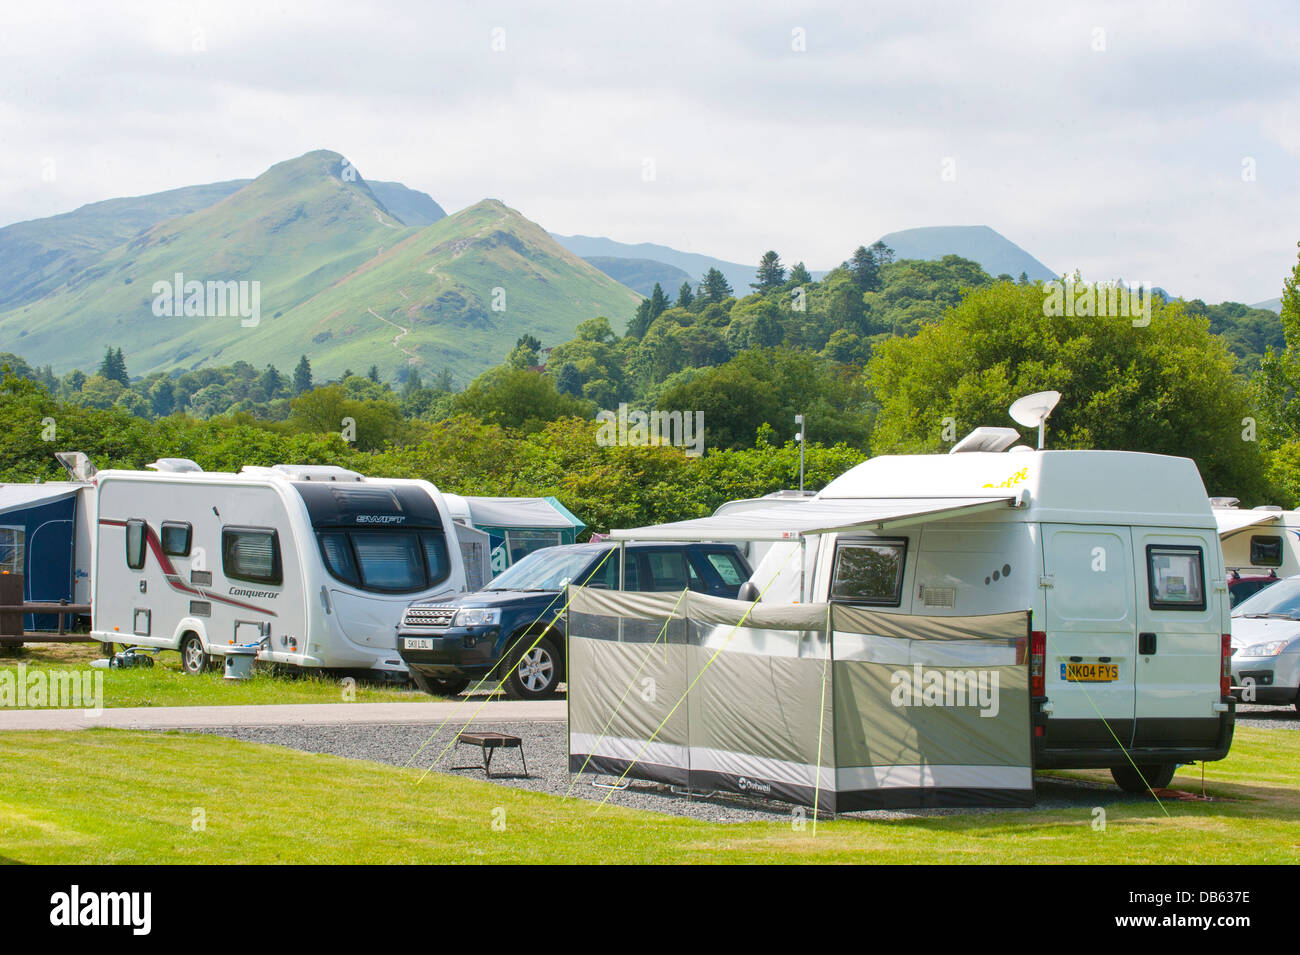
(808, 703)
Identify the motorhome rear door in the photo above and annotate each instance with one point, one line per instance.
(1179, 639)
(1091, 634)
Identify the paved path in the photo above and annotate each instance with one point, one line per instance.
(288, 714)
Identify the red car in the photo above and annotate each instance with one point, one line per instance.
(1239, 587)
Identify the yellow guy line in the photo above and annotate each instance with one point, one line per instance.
(619, 705)
(506, 655)
(722, 647)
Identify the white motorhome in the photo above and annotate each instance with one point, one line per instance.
(1115, 555)
(314, 563)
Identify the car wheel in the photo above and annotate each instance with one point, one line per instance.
(194, 659)
(436, 686)
(1153, 775)
(536, 672)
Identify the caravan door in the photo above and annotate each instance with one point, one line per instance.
(1179, 637)
(1091, 635)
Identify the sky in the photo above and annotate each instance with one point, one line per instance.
(1157, 142)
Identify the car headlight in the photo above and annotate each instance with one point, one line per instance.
(1270, 649)
(477, 617)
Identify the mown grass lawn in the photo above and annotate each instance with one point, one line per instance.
(114, 796)
(165, 684)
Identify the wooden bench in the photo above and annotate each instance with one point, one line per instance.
(489, 743)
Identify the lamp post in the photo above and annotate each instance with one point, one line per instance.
(798, 420)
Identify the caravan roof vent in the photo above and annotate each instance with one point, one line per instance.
(76, 464)
(317, 472)
(1224, 501)
(174, 466)
(1269, 507)
(987, 439)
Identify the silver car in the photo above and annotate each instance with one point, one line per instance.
(1266, 645)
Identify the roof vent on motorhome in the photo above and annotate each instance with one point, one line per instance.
(174, 466)
(317, 472)
(987, 439)
(1224, 501)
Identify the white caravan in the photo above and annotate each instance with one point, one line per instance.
(316, 564)
(1258, 540)
(1114, 554)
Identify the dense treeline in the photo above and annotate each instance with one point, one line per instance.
(881, 356)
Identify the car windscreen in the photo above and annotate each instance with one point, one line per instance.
(548, 569)
(1280, 599)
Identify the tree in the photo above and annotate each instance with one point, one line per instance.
(715, 287)
(882, 253)
(685, 296)
(646, 313)
(270, 383)
(373, 374)
(865, 269)
(526, 353)
(771, 273)
(799, 275)
(568, 380)
(518, 398)
(302, 376)
(113, 367)
(1165, 387)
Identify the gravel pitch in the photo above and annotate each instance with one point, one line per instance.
(546, 749)
(1268, 717)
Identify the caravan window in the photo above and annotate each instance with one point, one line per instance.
(252, 554)
(1175, 577)
(869, 572)
(388, 561)
(176, 538)
(11, 549)
(135, 540)
(1265, 551)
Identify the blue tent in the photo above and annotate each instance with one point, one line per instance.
(37, 539)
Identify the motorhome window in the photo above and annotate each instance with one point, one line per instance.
(252, 554)
(176, 537)
(12, 540)
(135, 540)
(869, 572)
(1175, 578)
(1265, 551)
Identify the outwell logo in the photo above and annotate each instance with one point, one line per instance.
(753, 785)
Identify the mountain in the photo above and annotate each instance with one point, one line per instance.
(1273, 305)
(41, 254)
(408, 205)
(641, 275)
(693, 264)
(339, 278)
(979, 243)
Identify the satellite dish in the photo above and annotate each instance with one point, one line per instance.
(1033, 410)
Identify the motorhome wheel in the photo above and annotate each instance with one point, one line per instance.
(193, 657)
(435, 686)
(536, 672)
(1154, 775)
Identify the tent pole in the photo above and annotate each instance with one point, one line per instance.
(622, 565)
(803, 564)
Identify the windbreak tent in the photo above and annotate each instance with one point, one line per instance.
(37, 534)
(813, 703)
(516, 526)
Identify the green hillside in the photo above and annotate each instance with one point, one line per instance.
(42, 254)
(341, 279)
(430, 298)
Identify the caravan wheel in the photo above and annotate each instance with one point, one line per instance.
(193, 657)
(1155, 775)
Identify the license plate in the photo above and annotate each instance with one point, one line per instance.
(1090, 672)
(417, 643)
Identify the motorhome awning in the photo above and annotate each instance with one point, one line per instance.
(1232, 520)
(19, 497)
(785, 522)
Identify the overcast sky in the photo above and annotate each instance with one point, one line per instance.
(1160, 144)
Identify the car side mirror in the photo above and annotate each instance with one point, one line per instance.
(748, 592)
